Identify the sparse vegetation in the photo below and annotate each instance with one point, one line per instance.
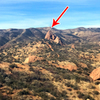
(46, 79)
(13, 66)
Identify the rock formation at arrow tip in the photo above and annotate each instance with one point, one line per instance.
(52, 37)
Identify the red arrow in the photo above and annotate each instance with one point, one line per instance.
(56, 22)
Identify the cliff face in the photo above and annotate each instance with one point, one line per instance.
(52, 37)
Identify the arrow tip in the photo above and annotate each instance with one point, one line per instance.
(54, 23)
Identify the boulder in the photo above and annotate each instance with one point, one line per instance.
(32, 59)
(70, 67)
(95, 74)
(83, 65)
(73, 46)
(4, 65)
(67, 65)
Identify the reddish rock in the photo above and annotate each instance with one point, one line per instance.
(57, 40)
(32, 59)
(95, 74)
(53, 37)
(49, 35)
(73, 46)
(83, 65)
(70, 67)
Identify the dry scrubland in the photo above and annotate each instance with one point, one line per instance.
(46, 75)
(45, 70)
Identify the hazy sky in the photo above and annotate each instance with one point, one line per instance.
(40, 13)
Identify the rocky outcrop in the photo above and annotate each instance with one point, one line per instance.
(73, 46)
(32, 59)
(83, 65)
(52, 37)
(67, 65)
(4, 66)
(95, 74)
(49, 35)
(70, 67)
(57, 40)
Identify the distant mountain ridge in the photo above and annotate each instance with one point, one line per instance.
(31, 34)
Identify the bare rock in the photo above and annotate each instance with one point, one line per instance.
(73, 46)
(32, 59)
(4, 65)
(57, 40)
(95, 74)
(83, 65)
(52, 37)
(48, 35)
(71, 67)
(67, 65)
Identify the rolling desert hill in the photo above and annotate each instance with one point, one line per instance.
(14, 35)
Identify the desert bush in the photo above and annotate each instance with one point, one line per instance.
(13, 66)
(44, 95)
(7, 80)
(96, 92)
(2, 79)
(92, 87)
(4, 97)
(85, 97)
(43, 86)
(97, 83)
(67, 76)
(68, 84)
(75, 87)
(52, 98)
(24, 92)
(79, 71)
(1, 85)
(80, 95)
(57, 77)
(84, 79)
